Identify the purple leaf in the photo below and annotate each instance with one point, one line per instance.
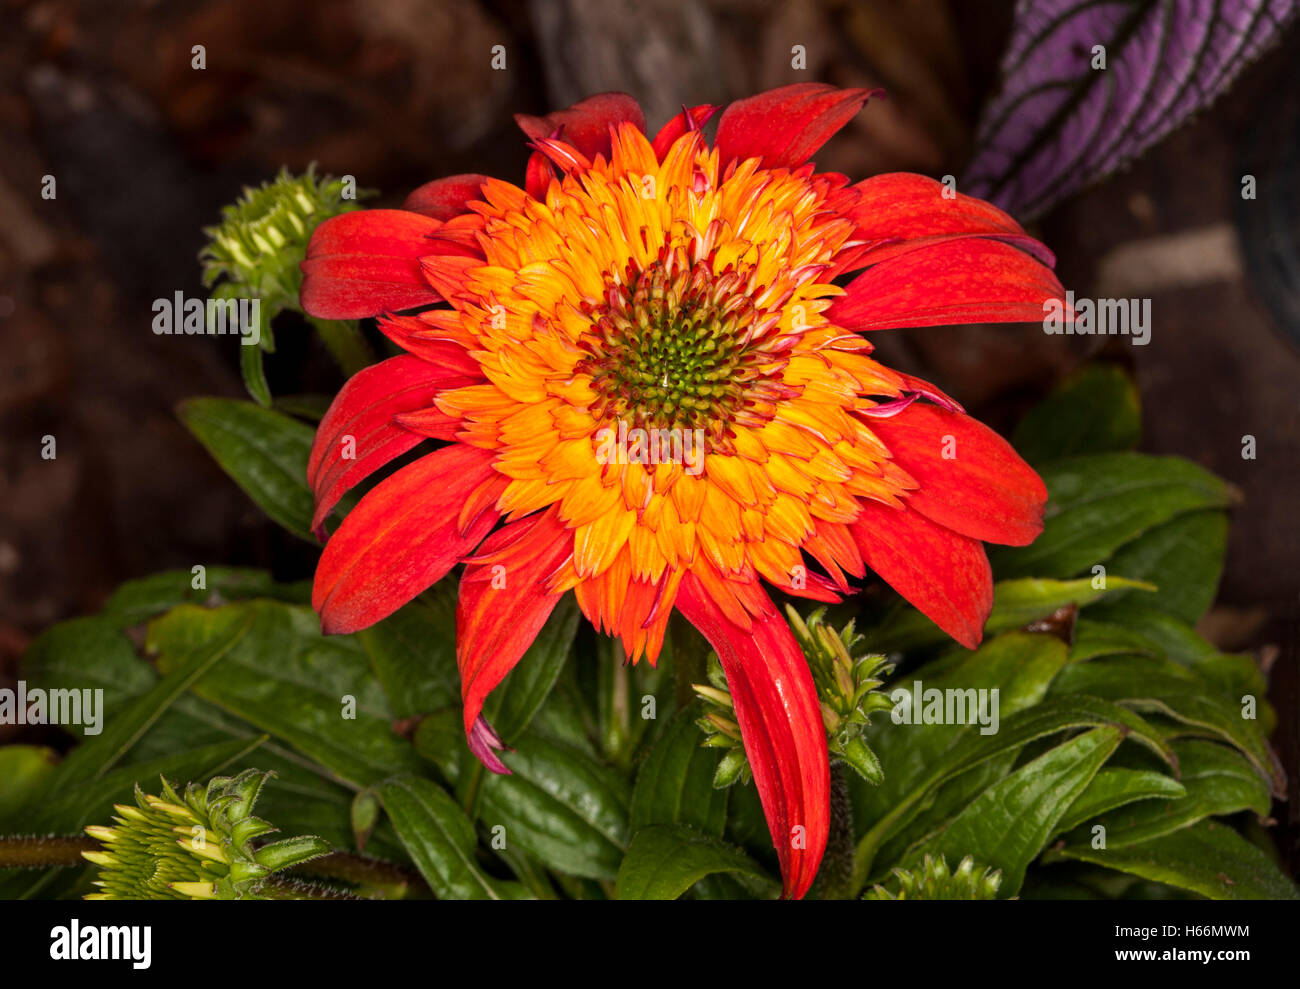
(1059, 123)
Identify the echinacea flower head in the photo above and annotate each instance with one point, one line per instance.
(648, 370)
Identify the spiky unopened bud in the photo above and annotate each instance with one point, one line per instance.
(934, 881)
(199, 847)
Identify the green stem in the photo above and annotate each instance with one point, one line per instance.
(345, 343)
(385, 878)
(835, 878)
(43, 852)
(690, 658)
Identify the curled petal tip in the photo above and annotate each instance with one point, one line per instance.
(485, 743)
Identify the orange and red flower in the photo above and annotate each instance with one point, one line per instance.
(666, 284)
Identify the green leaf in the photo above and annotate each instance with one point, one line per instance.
(1112, 788)
(967, 769)
(413, 653)
(1094, 411)
(139, 600)
(86, 653)
(441, 840)
(94, 758)
(1145, 683)
(1010, 822)
(1183, 558)
(1216, 780)
(513, 703)
(664, 861)
(70, 810)
(561, 806)
(1208, 858)
(675, 782)
(1019, 665)
(25, 771)
(1099, 503)
(312, 691)
(264, 452)
(1016, 603)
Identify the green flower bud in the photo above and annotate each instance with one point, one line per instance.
(199, 847)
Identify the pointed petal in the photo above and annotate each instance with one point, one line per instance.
(402, 537)
(364, 263)
(585, 125)
(504, 603)
(960, 281)
(971, 480)
(943, 573)
(445, 198)
(781, 725)
(357, 436)
(901, 212)
(785, 127)
(679, 125)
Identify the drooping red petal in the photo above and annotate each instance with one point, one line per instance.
(943, 573)
(585, 125)
(411, 333)
(968, 280)
(357, 436)
(971, 480)
(401, 538)
(679, 125)
(504, 603)
(781, 725)
(901, 212)
(364, 263)
(445, 198)
(785, 127)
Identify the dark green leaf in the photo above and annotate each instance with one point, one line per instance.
(139, 600)
(1208, 858)
(289, 680)
(1112, 788)
(1016, 603)
(1101, 502)
(441, 840)
(675, 783)
(664, 861)
(413, 653)
(1094, 411)
(1183, 558)
(1010, 822)
(264, 452)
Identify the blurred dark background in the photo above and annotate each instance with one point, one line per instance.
(145, 150)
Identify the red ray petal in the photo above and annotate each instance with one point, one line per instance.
(785, 127)
(402, 537)
(364, 410)
(959, 281)
(411, 334)
(901, 212)
(364, 263)
(500, 611)
(982, 489)
(445, 198)
(781, 725)
(675, 128)
(585, 125)
(945, 574)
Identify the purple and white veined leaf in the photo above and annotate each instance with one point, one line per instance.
(1058, 124)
